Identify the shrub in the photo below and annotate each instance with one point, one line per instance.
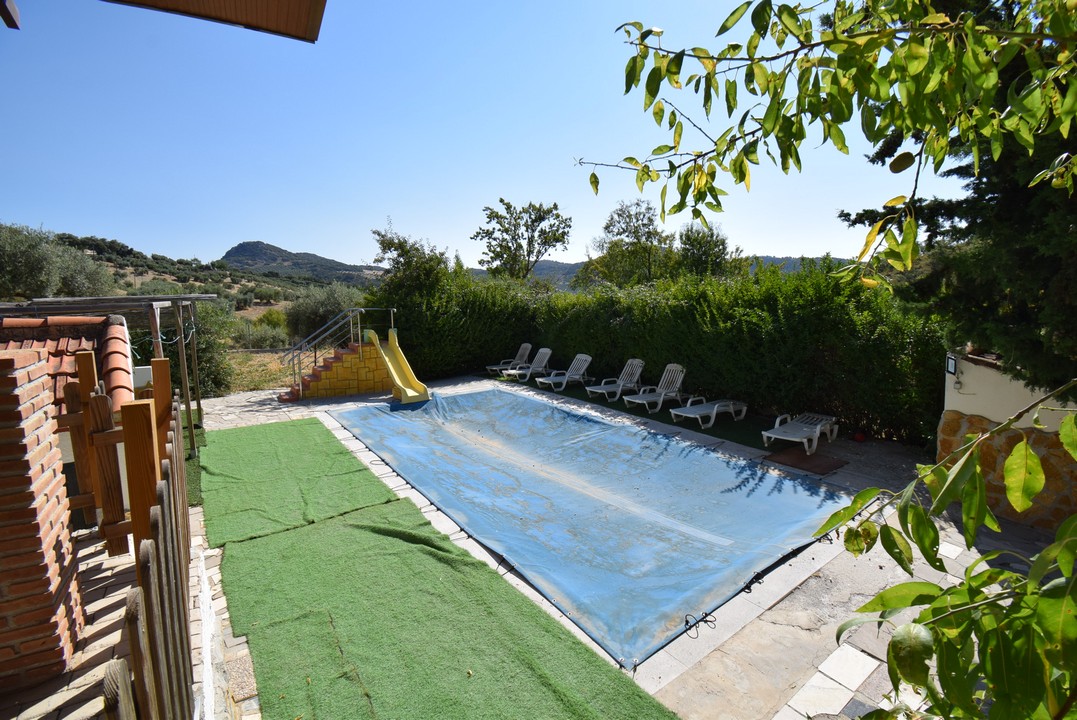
(267, 336)
(274, 318)
(316, 306)
(216, 322)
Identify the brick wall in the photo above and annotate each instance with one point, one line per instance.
(40, 607)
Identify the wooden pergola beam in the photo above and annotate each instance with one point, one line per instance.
(10, 13)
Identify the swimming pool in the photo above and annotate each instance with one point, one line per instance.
(627, 531)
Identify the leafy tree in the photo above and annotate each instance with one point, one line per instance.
(885, 68)
(26, 270)
(111, 251)
(998, 261)
(633, 249)
(317, 305)
(1000, 264)
(267, 294)
(216, 324)
(34, 263)
(415, 268)
(1004, 642)
(244, 300)
(78, 275)
(704, 250)
(519, 237)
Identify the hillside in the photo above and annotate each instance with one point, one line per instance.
(260, 257)
(558, 274)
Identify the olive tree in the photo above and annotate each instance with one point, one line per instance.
(34, 263)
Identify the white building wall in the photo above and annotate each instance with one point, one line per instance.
(985, 391)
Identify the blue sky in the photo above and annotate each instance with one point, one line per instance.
(185, 137)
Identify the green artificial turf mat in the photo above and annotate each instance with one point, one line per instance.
(266, 478)
(376, 614)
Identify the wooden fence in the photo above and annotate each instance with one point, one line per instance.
(158, 683)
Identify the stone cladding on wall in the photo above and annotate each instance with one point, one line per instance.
(1055, 503)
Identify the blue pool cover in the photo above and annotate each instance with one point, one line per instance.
(626, 531)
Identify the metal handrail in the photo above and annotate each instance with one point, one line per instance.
(340, 330)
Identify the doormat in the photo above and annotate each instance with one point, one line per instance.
(816, 464)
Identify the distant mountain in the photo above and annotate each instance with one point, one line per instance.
(262, 257)
(787, 264)
(558, 274)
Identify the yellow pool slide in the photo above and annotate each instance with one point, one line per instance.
(406, 387)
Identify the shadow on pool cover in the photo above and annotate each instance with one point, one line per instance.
(625, 530)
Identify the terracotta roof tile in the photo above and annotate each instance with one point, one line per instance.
(116, 331)
(63, 336)
(112, 362)
(62, 365)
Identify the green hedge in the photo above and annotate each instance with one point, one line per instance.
(455, 328)
(780, 342)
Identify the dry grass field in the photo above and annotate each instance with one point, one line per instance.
(258, 371)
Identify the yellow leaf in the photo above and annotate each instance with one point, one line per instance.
(936, 19)
(896, 201)
(869, 241)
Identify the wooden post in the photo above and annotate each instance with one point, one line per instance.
(86, 367)
(178, 490)
(162, 399)
(77, 427)
(147, 695)
(178, 472)
(175, 578)
(170, 616)
(108, 470)
(194, 365)
(155, 331)
(150, 583)
(116, 690)
(182, 346)
(143, 464)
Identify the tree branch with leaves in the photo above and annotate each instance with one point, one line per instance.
(878, 68)
(1003, 643)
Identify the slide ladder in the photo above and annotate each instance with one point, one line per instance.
(406, 387)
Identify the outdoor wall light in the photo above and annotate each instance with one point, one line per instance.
(951, 369)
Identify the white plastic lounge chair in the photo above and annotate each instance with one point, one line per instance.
(558, 380)
(613, 387)
(707, 412)
(804, 428)
(652, 396)
(511, 363)
(539, 366)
